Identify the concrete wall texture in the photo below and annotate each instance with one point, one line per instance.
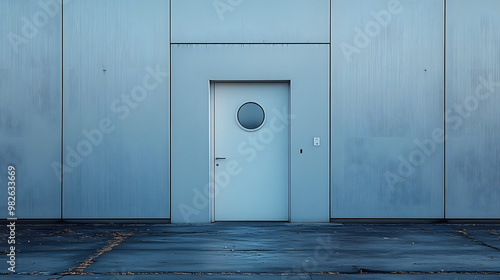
(105, 105)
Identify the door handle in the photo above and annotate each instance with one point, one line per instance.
(217, 158)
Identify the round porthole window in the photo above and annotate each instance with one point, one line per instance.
(250, 116)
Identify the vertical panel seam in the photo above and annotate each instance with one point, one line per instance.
(330, 117)
(444, 109)
(62, 106)
(170, 106)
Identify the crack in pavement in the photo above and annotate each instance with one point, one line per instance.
(466, 234)
(118, 237)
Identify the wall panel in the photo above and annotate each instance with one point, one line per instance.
(386, 103)
(30, 107)
(116, 109)
(472, 102)
(255, 21)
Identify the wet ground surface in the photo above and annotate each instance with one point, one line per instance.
(254, 251)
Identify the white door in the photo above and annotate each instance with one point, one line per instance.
(251, 151)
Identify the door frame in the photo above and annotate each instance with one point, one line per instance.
(211, 142)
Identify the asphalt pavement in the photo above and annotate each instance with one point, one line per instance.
(242, 251)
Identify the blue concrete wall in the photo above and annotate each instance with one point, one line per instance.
(86, 107)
